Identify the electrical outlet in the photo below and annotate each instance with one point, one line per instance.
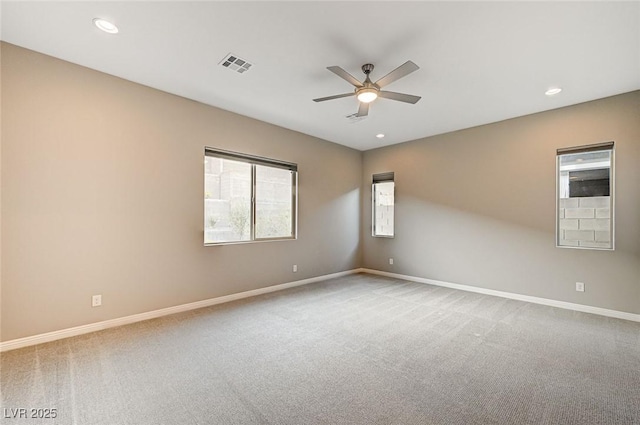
(391, 261)
(580, 286)
(295, 268)
(96, 301)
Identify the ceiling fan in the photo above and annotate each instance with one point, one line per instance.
(367, 91)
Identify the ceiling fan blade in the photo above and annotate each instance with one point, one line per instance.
(344, 75)
(363, 110)
(407, 98)
(405, 69)
(337, 96)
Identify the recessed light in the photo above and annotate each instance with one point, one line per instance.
(553, 91)
(379, 135)
(105, 25)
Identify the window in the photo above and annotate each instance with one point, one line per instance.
(248, 198)
(585, 197)
(382, 194)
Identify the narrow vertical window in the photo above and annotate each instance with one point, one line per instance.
(383, 201)
(248, 198)
(585, 197)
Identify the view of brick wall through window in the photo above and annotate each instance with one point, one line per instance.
(585, 222)
(585, 196)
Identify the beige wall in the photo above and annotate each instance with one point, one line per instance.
(477, 207)
(102, 193)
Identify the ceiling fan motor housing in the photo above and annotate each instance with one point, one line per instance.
(368, 91)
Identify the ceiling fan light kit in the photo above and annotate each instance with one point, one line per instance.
(367, 95)
(367, 91)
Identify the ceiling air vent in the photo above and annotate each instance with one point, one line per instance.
(355, 118)
(235, 63)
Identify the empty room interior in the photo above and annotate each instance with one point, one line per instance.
(320, 212)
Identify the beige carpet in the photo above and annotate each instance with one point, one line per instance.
(355, 350)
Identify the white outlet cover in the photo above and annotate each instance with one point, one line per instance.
(580, 286)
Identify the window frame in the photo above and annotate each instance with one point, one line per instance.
(598, 147)
(388, 177)
(255, 161)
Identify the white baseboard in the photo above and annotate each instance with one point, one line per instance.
(93, 327)
(536, 300)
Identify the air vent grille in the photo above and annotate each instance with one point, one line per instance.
(236, 63)
(354, 118)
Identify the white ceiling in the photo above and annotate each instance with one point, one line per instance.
(481, 62)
